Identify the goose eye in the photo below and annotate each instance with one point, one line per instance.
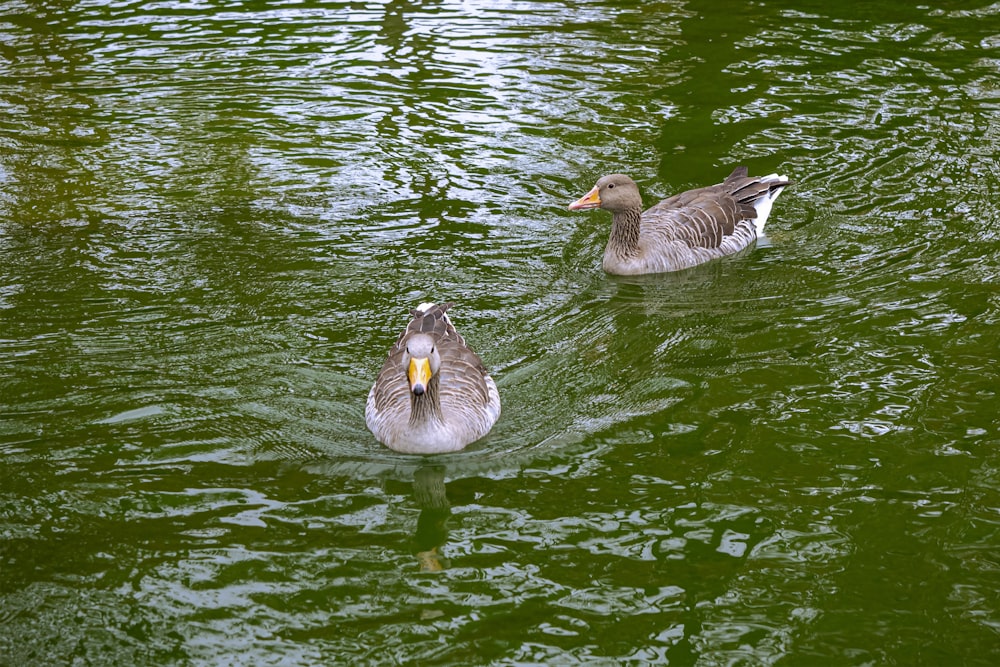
(610, 185)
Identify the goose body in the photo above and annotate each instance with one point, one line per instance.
(684, 230)
(433, 394)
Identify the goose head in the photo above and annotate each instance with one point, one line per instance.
(422, 361)
(615, 192)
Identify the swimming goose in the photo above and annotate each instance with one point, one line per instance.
(433, 393)
(686, 229)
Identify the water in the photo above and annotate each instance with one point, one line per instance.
(214, 218)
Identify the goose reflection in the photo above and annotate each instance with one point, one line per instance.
(430, 494)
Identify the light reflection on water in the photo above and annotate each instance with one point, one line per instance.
(214, 220)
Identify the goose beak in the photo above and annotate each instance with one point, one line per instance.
(419, 374)
(590, 200)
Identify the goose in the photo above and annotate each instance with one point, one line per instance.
(684, 230)
(433, 394)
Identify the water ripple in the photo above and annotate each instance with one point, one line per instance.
(214, 219)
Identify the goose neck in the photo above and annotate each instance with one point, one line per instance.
(625, 227)
(426, 406)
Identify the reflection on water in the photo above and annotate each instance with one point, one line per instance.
(213, 216)
(431, 496)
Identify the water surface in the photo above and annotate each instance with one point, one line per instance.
(215, 217)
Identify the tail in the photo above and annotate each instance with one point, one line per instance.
(775, 184)
(756, 193)
(430, 306)
(433, 319)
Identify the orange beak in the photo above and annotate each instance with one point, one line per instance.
(419, 374)
(590, 200)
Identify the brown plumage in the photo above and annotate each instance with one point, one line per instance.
(684, 230)
(433, 393)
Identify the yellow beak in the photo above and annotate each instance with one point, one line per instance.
(590, 200)
(419, 374)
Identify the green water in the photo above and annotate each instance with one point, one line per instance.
(215, 217)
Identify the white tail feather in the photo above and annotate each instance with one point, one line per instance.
(764, 202)
(427, 305)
